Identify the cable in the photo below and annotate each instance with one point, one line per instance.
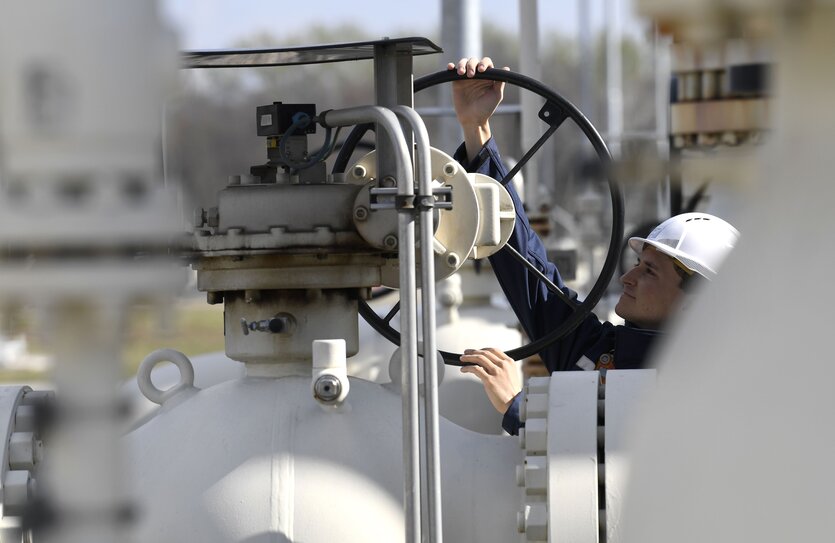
(302, 120)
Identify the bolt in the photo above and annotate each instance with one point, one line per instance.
(389, 182)
(361, 213)
(24, 418)
(520, 475)
(199, 217)
(327, 388)
(22, 450)
(390, 242)
(214, 298)
(450, 169)
(38, 451)
(520, 519)
(453, 260)
(359, 171)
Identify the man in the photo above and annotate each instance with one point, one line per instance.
(681, 251)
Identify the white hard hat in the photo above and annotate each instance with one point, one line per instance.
(697, 240)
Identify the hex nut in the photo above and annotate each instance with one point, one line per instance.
(520, 519)
(390, 242)
(199, 217)
(359, 171)
(24, 418)
(361, 213)
(536, 522)
(17, 486)
(22, 450)
(213, 217)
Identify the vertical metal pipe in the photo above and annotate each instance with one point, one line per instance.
(530, 64)
(661, 62)
(385, 95)
(460, 37)
(409, 364)
(430, 369)
(588, 104)
(390, 128)
(393, 86)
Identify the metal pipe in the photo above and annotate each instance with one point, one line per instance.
(661, 59)
(530, 64)
(614, 76)
(460, 37)
(387, 121)
(588, 101)
(430, 369)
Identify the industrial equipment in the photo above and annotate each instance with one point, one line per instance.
(296, 449)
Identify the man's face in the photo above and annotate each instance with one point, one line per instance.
(651, 290)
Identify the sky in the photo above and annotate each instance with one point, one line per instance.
(217, 24)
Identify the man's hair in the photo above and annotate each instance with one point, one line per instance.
(690, 280)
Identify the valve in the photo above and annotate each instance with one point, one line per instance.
(327, 388)
(283, 323)
(329, 382)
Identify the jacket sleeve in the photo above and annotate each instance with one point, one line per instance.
(510, 421)
(539, 311)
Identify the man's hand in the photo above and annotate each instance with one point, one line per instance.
(475, 101)
(498, 373)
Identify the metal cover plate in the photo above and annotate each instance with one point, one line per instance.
(314, 54)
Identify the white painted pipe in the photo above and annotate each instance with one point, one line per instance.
(387, 121)
(430, 369)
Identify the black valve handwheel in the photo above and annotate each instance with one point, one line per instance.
(555, 110)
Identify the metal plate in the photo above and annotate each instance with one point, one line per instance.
(315, 54)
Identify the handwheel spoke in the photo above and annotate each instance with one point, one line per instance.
(542, 277)
(392, 312)
(552, 115)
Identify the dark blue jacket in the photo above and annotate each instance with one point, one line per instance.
(593, 344)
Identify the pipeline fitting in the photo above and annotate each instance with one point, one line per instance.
(329, 382)
(327, 388)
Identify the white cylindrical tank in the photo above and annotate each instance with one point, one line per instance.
(258, 459)
(209, 370)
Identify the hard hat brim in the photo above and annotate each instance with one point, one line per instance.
(637, 245)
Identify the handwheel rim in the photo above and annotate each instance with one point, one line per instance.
(611, 263)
